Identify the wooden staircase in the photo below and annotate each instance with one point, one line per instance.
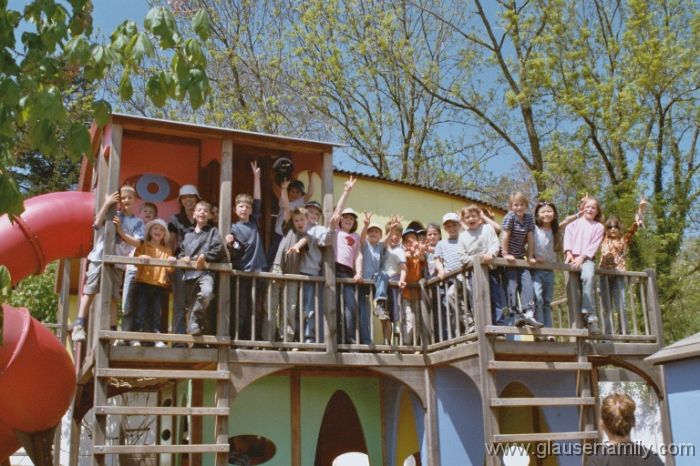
(493, 362)
(158, 375)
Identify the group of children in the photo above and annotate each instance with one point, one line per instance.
(393, 254)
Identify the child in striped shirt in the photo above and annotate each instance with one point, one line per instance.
(518, 243)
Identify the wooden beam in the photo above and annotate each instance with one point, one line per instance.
(545, 437)
(432, 431)
(104, 309)
(329, 291)
(125, 449)
(161, 374)
(295, 395)
(160, 411)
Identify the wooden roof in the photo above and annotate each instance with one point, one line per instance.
(246, 138)
(686, 348)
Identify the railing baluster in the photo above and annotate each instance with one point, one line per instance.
(633, 310)
(645, 309)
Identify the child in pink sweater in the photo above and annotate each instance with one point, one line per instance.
(581, 242)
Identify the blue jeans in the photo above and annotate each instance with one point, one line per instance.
(614, 287)
(588, 290)
(382, 288)
(309, 290)
(496, 296)
(519, 279)
(365, 313)
(148, 302)
(543, 283)
(179, 320)
(128, 302)
(349, 302)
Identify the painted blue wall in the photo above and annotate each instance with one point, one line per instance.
(683, 389)
(460, 421)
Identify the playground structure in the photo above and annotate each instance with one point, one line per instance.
(447, 397)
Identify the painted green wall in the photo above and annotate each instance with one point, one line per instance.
(364, 393)
(264, 408)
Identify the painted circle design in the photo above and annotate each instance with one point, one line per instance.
(144, 187)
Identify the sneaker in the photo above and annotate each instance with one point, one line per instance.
(160, 344)
(119, 342)
(593, 328)
(519, 320)
(195, 330)
(501, 337)
(380, 311)
(78, 333)
(135, 343)
(531, 322)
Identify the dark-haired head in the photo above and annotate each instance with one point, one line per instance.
(555, 220)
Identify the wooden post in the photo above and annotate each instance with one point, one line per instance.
(652, 299)
(224, 301)
(431, 419)
(64, 300)
(329, 291)
(103, 311)
(482, 317)
(295, 389)
(653, 307)
(573, 298)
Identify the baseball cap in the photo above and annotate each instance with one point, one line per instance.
(157, 221)
(297, 184)
(188, 190)
(450, 217)
(313, 204)
(374, 225)
(349, 211)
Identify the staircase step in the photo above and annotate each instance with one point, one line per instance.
(539, 366)
(124, 449)
(544, 437)
(544, 331)
(161, 411)
(163, 374)
(565, 401)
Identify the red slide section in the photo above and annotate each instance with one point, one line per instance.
(53, 226)
(37, 377)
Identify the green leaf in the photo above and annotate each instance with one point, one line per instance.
(102, 110)
(161, 22)
(143, 46)
(156, 91)
(78, 141)
(10, 197)
(201, 25)
(77, 50)
(126, 90)
(42, 136)
(195, 54)
(9, 90)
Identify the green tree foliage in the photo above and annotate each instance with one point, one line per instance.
(56, 50)
(628, 74)
(36, 293)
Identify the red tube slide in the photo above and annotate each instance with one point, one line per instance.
(37, 377)
(53, 226)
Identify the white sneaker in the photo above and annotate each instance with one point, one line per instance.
(78, 333)
(135, 343)
(119, 342)
(160, 344)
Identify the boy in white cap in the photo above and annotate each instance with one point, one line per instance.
(447, 255)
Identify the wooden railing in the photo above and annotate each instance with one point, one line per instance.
(444, 312)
